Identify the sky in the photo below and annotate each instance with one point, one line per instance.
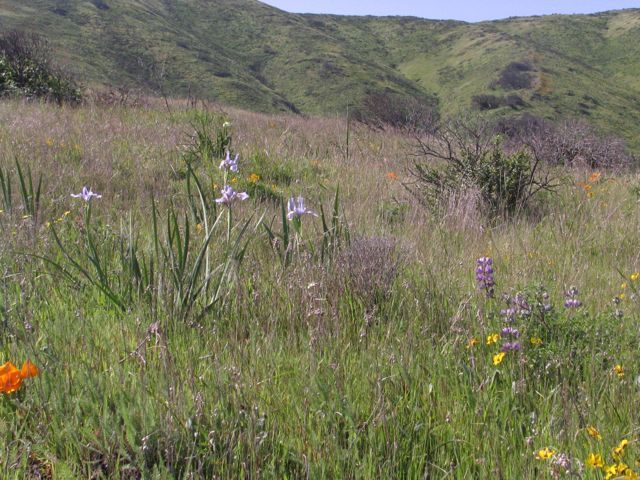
(467, 10)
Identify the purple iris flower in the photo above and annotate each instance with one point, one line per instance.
(86, 194)
(229, 163)
(229, 196)
(296, 209)
(484, 275)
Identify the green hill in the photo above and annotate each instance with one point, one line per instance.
(255, 56)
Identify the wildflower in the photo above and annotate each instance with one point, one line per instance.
(229, 196)
(49, 142)
(229, 164)
(511, 347)
(536, 341)
(595, 176)
(493, 338)
(226, 124)
(86, 194)
(571, 300)
(498, 357)
(594, 433)
(297, 209)
(594, 460)
(619, 370)
(623, 285)
(392, 175)
(545, 453)
(254, 177)
(11, 378)
(199, 228)
(472, 342)
(484, 275)
(619, 450)
(510, 332)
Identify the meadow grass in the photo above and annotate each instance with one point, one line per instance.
(357, 364)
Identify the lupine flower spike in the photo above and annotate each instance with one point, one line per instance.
(229, 196)
(484, 275)
(229, 164)
(86, 194)
(571, 300)
(297, 209)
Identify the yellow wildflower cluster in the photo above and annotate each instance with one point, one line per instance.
(60, 218)
(617, 469)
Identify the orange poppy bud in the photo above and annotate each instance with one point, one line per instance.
(28, 370)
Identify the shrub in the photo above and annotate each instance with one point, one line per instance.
(368, 268)
(26, 70)
(515, 76)
(383, 110)
(487, 102)
(568, 143)
(470, 157)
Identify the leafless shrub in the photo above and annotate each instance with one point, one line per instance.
(368, 268)
(383, 110)
(569, 143)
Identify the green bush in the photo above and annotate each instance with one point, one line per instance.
(468, 157)
(26, 70)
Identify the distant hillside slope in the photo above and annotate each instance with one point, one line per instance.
(252, 55)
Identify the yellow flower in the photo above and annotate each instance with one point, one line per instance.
(234, 180)
(594, 433)
(635, 276)
(623, 286)
(595, 460)
(621, 471)
(619, 450)
(472, 342)
(621, 296)
(619, 370)
(498, 357)
(493, 338)
(49, 142)
(536, 341)
(254, 177)
(199, 228)
(610, 471)
(545, 453)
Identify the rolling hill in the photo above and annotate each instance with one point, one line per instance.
(246, 53)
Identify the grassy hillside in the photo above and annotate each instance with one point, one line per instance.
(249, 54)
(379, 360)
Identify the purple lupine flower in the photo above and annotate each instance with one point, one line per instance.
(571, 300)
(229, 163)
(522, 305)
(86, 194)
(296, 209)
(545, 304)
(484, 275)
(511, 347)
(229, 196)
(510, 332)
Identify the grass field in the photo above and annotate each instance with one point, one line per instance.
(178, 340)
